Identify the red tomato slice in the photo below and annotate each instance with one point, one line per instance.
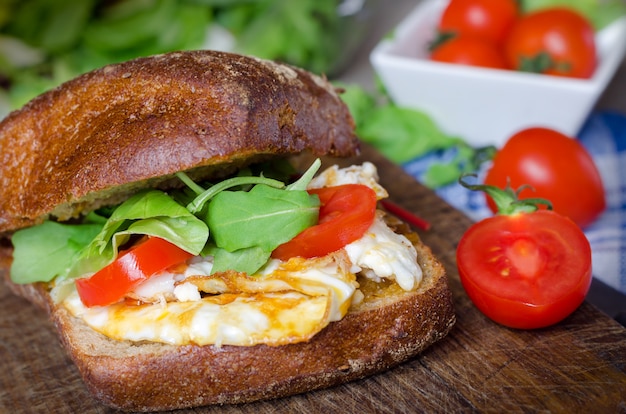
(346, 212)
(525, 271)
(111, 283)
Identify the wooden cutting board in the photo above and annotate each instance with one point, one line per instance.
(576, 366)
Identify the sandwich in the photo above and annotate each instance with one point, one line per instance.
(178, 219)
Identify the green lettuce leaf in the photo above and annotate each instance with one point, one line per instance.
(402, 134)
(248, 226)
(262, 218)
(42, 252)
(152, 213)
(247, 260)
(64, 251)
(600, 13)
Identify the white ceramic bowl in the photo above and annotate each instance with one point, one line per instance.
(486, 106)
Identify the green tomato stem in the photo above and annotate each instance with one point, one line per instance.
(506, 199)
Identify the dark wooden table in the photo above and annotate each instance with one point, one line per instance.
(577, 366)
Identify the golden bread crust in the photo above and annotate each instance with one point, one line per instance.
(108, 133)
(125, 124)
(389, 327)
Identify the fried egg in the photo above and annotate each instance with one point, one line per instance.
(383, 254)
(288, 302)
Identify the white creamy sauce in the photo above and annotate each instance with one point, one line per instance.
(382, 253)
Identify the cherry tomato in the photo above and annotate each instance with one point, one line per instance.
(525, 270)
(557, 167)
(346, 212)
(133, 266)
(554, 41)
(469, 51)
(487, 19)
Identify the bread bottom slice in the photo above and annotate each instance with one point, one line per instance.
(387, 328)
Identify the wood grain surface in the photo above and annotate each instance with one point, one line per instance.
(576, 366)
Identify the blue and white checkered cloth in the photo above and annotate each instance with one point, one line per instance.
(604, 136)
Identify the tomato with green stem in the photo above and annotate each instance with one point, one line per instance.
(555, 41)
(346, 212)
(489, 20)
(524, 268)
(133, 266)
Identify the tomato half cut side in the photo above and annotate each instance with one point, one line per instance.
(346, 212)
(525, 271)
(133, 266)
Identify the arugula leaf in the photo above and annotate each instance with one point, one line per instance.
(44, 251)
(151, 213)
(264, 217)
(302, 183)
(403, 134)
(198, 203)
(156, 205)
(600, 13)
(247, 260)
(247, 226)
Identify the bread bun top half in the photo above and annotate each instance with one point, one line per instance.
(104, 135)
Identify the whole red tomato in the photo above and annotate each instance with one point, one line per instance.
(469, 51)
(558, 167)
(524, 268)
(486, 19)
(554, 41)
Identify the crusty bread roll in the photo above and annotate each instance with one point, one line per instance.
(135, 124)
(101, 137)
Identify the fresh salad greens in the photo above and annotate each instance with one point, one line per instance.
(50, 249)
(152, 213)
(303, 32)
(402, 134)
(46, 42)
(600, 13)
(246, 226)
(239, 221)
